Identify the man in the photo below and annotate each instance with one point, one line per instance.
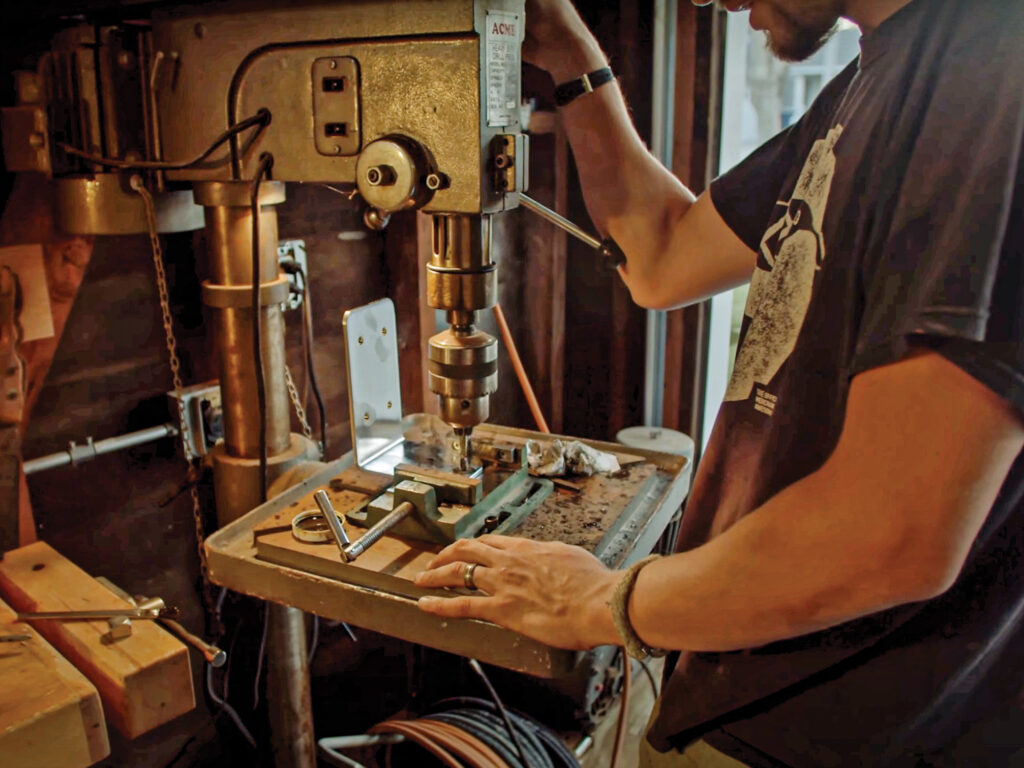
(849, 587)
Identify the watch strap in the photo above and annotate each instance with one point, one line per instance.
(587, 83)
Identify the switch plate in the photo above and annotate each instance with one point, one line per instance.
(336, 117)
(204, 415)
(294, 250)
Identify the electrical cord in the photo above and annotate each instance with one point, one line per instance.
(221, 702)
(650, 677)
(227, 708)
(307, 324)
(260, 656)
(261, 119)
(558, 752)
(314, 640)
(266, 163)
(493, 738)
(475, 666)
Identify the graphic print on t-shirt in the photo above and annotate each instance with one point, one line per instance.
(791, 252)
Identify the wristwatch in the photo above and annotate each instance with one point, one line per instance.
(568, 91)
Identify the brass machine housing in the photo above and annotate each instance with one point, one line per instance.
(416, 104)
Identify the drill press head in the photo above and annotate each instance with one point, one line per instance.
(462, 279)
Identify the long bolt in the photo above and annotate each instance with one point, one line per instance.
(372, 536)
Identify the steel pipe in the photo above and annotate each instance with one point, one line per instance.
(76, 454)
(288, 691)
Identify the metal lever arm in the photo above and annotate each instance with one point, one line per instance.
(150, 609)
(153, 608)
(608, 248)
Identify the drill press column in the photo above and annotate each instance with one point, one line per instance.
(461, 279)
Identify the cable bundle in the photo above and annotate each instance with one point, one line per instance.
(540, 748)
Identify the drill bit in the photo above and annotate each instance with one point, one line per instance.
(462, 448)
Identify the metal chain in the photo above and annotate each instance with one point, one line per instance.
(293, 393)
(175, 363)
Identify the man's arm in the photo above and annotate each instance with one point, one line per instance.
(888, 519)
(678, 248)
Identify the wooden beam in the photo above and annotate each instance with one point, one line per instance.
(50, 714)
(144, 680)
(401, 251)
(545, 254)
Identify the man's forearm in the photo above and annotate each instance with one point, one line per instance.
(888, 519)
(678, 249)
(629, 194)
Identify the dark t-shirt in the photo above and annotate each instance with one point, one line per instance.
(891, 215)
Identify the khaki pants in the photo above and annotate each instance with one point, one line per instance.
(697, 755)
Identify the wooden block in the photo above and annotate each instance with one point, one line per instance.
(50, 714)
(144, 680)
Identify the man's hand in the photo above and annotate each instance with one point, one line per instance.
(558, 41)
(553, 592)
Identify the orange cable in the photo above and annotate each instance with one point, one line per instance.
(517, 364)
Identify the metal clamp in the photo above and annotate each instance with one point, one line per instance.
(240, 296)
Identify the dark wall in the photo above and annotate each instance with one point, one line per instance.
(604, 351)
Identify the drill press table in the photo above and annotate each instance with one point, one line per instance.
(617, 517)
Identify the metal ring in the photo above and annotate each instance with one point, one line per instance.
(314, 535)
(467, 576)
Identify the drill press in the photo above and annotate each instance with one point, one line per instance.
(463, 360)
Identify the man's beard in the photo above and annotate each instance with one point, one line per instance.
(797, 35)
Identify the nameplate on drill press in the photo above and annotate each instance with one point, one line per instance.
(502, 43)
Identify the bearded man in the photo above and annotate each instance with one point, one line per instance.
(848, 588)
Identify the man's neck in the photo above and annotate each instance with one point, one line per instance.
(868, 14)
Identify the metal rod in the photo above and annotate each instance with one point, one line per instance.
(76, 454)
(214, 655)
(323, 501)
(372, 536)
(128, 613)
(559, 221)
(662, 129)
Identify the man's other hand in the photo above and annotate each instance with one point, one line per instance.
(549, 591)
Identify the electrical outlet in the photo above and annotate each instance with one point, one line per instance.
(336, 118)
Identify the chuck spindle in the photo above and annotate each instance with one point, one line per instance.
(462, 279)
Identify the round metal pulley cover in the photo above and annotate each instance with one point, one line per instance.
(390, 174)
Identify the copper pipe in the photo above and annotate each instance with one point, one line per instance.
(517, 364)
